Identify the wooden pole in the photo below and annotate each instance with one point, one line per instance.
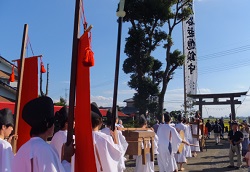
(184, 74)
(73, 73)
(233, 115)
(19, 84)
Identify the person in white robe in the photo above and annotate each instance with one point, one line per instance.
(188, 137)
(121, 141)
(36, 155)
(107, 150)
(6, 154)
(181, 157)
(61, 131)
(168, 144)
(149, 165)
(194, 130)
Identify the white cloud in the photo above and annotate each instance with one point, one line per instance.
(120, 92)
(105, 101)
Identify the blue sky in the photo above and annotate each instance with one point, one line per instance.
(222, 37)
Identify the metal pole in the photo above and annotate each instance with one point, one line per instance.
(19, 84)
(73, 73)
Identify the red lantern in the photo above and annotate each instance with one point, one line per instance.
(43, 70)
(12, 75)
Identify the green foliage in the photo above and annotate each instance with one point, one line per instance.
(148, 19)
(62, 102)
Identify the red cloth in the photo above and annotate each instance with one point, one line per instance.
(85, 158)
(29, 91)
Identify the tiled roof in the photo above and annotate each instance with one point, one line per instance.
(104, 113)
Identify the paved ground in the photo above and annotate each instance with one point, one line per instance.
(214, 159)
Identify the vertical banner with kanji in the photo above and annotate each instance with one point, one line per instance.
(190, 53)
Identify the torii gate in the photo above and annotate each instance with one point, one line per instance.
(216, 100)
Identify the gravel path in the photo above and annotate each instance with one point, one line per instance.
(213, 159)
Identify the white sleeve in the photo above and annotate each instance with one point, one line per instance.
(66, 165)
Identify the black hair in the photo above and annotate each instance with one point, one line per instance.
(184, 120)
(42, 128)
(96, 121)
(179, 118)
(60, 121)
(167, 117)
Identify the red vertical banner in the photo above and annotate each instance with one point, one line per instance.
(85, 158)
(29, 91)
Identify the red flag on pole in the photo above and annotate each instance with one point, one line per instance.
(29, 91)
(85, 157)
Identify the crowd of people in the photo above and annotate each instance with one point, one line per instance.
(238, 137)
(39, 155)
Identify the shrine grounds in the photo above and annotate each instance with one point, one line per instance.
(214, 158)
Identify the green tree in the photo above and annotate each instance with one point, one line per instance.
(148, 19)
(62, 102)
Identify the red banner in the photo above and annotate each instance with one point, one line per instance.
(85, 158)
(29, 91)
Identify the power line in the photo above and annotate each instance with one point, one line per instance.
(242, 100)
(224, 53)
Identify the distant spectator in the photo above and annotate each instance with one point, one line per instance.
(155, 126)
(226, 129)
(217, 131)
(247, 156)
(120, 123)
(245, 130)
(221, 122)
(235, 138)
(209, 128)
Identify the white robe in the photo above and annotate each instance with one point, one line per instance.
(166, 160)
(181, 157)
(57, 142)
(109, 152)
(45, 158)
(6, 156)
(149, 165)
(188, 137)
(195, 141)
(123, 147)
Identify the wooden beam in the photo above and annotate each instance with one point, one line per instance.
(19, 84)
(228, 102)
(221, 95)
(233, 108)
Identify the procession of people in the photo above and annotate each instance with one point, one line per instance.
(39, 154)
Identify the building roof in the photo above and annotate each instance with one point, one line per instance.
(129, 100)
(11, 106)
(4, 85)
(104, 113)
(129, 110)
(7, 62)
(5, 99)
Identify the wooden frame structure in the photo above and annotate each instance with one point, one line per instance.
(216, 100)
